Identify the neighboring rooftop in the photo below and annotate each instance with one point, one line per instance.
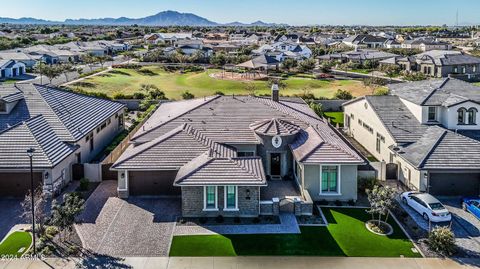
(436, 92)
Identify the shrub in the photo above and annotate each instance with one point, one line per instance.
(236, 219)
(202, 220)
(118, 96)
(219, 219)
(343, 95)
(338, 202)
(367, 183)
(187, 95)
(381, 91)
(256, 220)
(323, 202)
(46, 251)
(218, 93)
(84, 184)
(138, 95)
(442, 240)
(351, 202)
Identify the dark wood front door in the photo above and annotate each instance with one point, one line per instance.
(275, 164)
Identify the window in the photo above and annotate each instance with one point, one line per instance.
(3, 106)
(432, 113)
(474, 68)
(210, 199)
(461, 115)
(369, 129)
(243, 154)
(329, 183)
(472, 116)
(380, 138)
(230, 198)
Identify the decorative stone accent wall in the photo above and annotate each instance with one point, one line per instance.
(248, 202)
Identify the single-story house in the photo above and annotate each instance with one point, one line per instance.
(11, 69)
(63, 127)
(239, 149)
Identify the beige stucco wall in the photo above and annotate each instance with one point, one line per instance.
(100, 139)
(362, 135)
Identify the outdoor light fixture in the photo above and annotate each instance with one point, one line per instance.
(248, 194)
(46, 175)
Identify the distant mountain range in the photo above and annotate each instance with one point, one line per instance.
(165, 18)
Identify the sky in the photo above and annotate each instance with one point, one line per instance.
(297, 12)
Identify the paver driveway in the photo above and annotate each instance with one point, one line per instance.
(133, 227)
(10, 210)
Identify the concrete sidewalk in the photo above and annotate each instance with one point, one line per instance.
(244, 262)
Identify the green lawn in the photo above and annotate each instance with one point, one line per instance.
(477, 83)
(346, 235)
(361, 71)
(14, 242)
(128, 81)
(335, 117)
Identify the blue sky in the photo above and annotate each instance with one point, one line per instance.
(297, 12)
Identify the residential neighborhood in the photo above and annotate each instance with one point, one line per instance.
(329, 136)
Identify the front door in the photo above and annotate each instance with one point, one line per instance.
(275, 164)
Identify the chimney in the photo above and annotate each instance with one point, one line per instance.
(275, 93)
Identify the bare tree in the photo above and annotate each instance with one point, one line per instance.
(40, 208)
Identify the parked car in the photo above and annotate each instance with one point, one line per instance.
(426, 205)
(472, 205)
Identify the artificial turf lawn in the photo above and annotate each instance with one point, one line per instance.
(129, 81)
(345, 235)
(335, 117)
(14, 242)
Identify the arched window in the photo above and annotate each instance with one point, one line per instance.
(472, 115)
(461, 115)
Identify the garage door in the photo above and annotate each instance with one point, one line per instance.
(17, 184)
(455, 184)
(152, 183)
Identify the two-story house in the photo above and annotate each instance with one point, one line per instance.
(228, 155)
(61, 126)
(427, 132)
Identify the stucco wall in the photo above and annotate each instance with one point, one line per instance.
(100, 139)
(348, 183)
(362, 135)
(193, 202)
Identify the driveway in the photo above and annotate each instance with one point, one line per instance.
(133, 227)
(10, 210)
(464, 225)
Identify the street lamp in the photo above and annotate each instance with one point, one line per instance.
(30, 152)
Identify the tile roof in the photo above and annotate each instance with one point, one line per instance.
(274, 127)
(309, 147)
(207, 170)
(436, 92)
(70, 115)
(224, 120)
(33, 133)
(440, 148)
(397, 118)
(171, 150)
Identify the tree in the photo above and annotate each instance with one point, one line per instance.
(219, 59)
(89, 60)
(63, 215)
(50, 71)
(373, 83)
(250, 88)
(306, 66)
(39, 206)
(103, 59)
(343, 95)
(381, 201)
(381, 91)
(128, 55)
(67, 68)
(289, 64)
(317, 108)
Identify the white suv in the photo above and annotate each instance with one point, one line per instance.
(426, 205)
